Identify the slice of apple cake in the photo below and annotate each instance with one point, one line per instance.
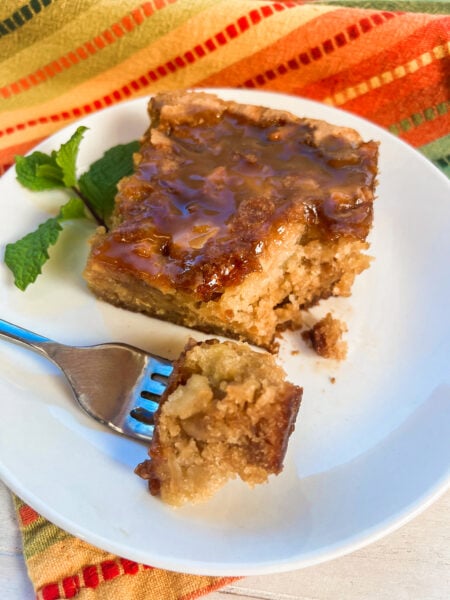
(236, 218)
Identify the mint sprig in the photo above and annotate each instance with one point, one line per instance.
(94, 198)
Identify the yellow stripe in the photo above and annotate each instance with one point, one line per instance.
(425, 59)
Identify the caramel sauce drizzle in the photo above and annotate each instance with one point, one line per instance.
(206, 198)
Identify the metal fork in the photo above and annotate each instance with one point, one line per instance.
(116, 384)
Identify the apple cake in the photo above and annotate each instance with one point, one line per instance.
(236, 218)
(227, 412)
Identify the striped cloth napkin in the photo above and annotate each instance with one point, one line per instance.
(60, 60)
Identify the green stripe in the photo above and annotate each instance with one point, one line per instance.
(424, 6)
(439, 153)
(39, 535)
(22, 15)
(416, 119)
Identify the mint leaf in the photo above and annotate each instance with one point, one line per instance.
(26, 257)
(99, 183)
(73, 209)
(38, 171)
(66, 157)
(50, 171)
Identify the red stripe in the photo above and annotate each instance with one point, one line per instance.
(108, 37)
(90, 47)
(110, 569)
(51, 592)
(128, 23)
(137, 16)
(89, 578)
(71, 586)
(147, 8)
(81, 53)
(129, 566)
(117, 30)
(27, 515)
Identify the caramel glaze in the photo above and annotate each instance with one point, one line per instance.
(207, 197)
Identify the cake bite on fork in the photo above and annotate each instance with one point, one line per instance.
(221, 410)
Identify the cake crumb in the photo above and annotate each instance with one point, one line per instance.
(332, 379)
(325, 337)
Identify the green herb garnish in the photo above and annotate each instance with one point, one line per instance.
(90, 196)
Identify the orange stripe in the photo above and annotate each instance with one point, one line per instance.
(115, 32)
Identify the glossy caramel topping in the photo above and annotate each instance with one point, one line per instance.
(213, 185)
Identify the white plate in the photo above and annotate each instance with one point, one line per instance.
(370, 450)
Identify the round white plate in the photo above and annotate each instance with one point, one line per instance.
(370, 450)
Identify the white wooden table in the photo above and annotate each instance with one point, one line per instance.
(412, 563)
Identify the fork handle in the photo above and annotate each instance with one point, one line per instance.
(23, 336)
